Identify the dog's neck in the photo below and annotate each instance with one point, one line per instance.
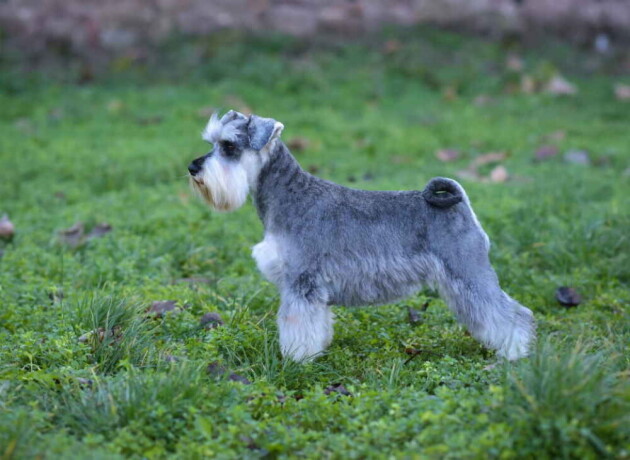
(279, 177)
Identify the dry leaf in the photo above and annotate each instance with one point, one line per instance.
(238, 104)
(546, 151)
(7, 229)
(487, 158)
(99, 230)
(556, 135)
(622, 92)
(514, 63)
(559, 86)
(73, 236)
(528, 84)
(298, 144)
(499, 174)
(391, 46)
(447, 155)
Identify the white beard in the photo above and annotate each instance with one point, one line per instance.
(224, 185)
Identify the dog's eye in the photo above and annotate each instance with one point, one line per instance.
(229, 148)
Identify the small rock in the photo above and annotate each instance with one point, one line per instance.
(211, 321)
(161, 307)
(559, 86)
(499, 174)
(7, 229)
(545, 152)
(622, 92)
(577, 157)
(568, 296)
(337, 388)
(447, 155)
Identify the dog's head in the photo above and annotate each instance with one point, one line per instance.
(241, 146)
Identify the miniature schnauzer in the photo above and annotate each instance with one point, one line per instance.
(326, 245)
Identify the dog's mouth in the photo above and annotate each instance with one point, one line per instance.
(206, 194)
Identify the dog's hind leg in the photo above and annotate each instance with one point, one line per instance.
(305, 326)
(467, 281)
(491, 316)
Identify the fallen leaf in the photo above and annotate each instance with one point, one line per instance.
(545, 152)
(487, 158)
(297, 144)
(447, 155)
(482, 100)
(7, 229)
(449, 93)
(73, 236)
(568, 296)
(577, 157)
(391, 46)
(99, 230)
(401, 159)
(211, 321)
(161, 307)
(415, 316)
(558, 135)
(207, 112)
(514, 63)
(528, 84)
(499, 174)
(114, 106)
(337, 388)
(468, 174)
(151, 120)
(559, 86)
(622, 92)
(236, 103)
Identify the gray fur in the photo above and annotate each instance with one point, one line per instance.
(326, 244)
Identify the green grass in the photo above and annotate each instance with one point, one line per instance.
(116, 149)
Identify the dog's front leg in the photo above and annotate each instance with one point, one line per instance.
(305, 327)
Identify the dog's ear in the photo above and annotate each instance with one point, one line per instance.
(262, 131)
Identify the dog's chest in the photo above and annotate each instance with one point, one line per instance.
(268, 258)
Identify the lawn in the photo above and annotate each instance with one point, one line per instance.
(87, 370)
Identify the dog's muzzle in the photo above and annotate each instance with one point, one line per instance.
(196, 165)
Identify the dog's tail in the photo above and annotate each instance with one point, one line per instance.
(443, 193)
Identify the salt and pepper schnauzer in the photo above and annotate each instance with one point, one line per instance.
(329, 245)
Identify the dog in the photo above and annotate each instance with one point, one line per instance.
(325, 244)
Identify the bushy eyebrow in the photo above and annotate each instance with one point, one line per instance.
(215, 131)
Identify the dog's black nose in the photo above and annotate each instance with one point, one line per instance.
(196, 165)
